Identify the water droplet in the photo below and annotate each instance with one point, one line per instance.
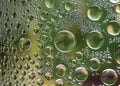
(60, 69)
(24, 44)
(23, 73)
(117, 8)
(22, 78)
(95, 64)
(38, 65)
(40, 81)
(81, 74)
(114, 1)
(59, 82)
(94, 13)
(79, 55)
(48, 76)
(117, 54)
(50, 3)
(44, 15)
(31, 75)
(113, 28)
(94, 40)
(65, 41)
(50, 57)
(68, 6)
(14, 77)
(109, 77)
(27, 66)
(14, 14)
(19, 66)
(48, 49)
(40, 72)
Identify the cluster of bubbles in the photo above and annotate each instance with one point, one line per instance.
(48, 25)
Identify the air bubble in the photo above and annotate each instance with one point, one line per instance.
(94, 13)
(114, 1)
(68, 6)
(22, 78)
(14, 14)
(31, 75)
(50, 57)
(38, 65)
(79, 55)
(24, 44)
(94, 40)
(44, 15)
(40, 72)
(59, 82)
(113, 28)
(117, 54)
(81, 74)
(60, 69)
(23, 73)
(40, 81)
(48, 49)
(48, 76)
(19, 66)
(117, 8)
(109, 77)
(95, 64)
(65, 41)
(26, 66)
(50, 3)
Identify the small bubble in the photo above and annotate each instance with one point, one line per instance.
(117, 54)
(81, 74)
(40, 81)
(44, 15)
(15, 58)
(65, 41)
(28, 57)
(114, 1)
(113, 28)
(26, 66)
(24, 44)
(94, 13)
(59, 82)
(48, 49)
(23, 73)
(68, 6)
(31, 75)
(38, 65)
(19, 66)
(109, 77)
(94, 40)
(14, 14)
(44, 37)
(22, 78)
(95, 64)
(50, 3)
(18, 25)
(31, 18)
(117, 8)
(60, 69)
(79, 55)
(50, 57)
(48, 76)
(14, 77)
(40, 72)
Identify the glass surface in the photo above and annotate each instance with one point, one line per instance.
(59, 43)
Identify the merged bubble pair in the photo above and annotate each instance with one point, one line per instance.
(65, 40)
